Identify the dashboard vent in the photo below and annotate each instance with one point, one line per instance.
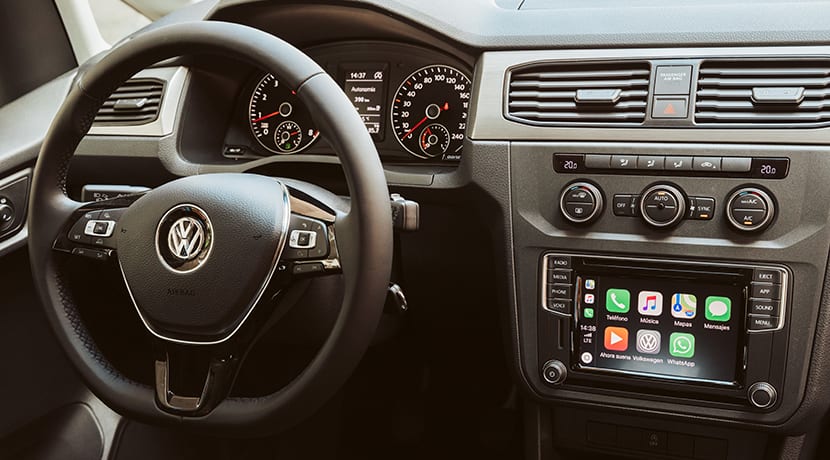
(767, 93)
(136, 102)
(581, 94)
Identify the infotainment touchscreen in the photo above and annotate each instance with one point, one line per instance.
(658, 326)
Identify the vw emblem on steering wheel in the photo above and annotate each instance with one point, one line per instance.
(185, 238)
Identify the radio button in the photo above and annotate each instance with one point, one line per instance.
(764, 307)
(562, 306)
(767, 276)
(559, 262)
(762, 323)
(560, 276)
(766, 291)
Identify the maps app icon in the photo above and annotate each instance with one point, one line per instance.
(684, 306)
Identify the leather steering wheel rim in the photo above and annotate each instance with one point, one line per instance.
(367, 240)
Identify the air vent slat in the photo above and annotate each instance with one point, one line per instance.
(763, 93)
(573, 94)
(136, 102)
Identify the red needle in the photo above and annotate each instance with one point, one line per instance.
(295, 132)
(264, 117)
(414, 127)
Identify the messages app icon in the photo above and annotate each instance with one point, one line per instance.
(617, 300)
(718, 309)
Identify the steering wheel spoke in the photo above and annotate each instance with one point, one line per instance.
(311, 247)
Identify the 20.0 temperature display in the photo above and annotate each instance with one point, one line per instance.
(429, 112)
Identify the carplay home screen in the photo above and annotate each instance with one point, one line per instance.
(659, 327)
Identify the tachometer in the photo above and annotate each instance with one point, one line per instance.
(429, 112)
(279, 121)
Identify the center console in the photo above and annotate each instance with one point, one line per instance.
(668, 242)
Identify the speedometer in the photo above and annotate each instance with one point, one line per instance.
(279, 120)
(429, 112)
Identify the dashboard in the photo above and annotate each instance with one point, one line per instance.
(413, 100)
(652, 180)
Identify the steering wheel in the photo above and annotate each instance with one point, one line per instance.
(206, 258)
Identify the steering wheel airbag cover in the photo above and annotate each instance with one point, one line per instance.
(241, 234)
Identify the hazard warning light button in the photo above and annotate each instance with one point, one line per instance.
(670, 107)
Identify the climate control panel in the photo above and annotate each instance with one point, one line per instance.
(663, 205)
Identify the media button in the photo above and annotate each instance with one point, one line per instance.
(559, 275)
(765, 307)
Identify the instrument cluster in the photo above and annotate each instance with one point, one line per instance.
(413, 101)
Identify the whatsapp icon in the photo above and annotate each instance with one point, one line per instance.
(682, 345)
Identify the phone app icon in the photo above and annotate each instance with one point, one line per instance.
(650, 303)
(648, 342)
(684, 306)
(590, 284)
(616, 338)
(589, 299)
(682, 345)
(718, 308)
(617, 300)
(588, 313)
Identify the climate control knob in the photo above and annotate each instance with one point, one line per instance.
(662, 205)
(581, 202)
(750, 209)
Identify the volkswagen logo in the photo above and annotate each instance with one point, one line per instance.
(184, 238)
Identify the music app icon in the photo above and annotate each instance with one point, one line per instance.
(650, 303)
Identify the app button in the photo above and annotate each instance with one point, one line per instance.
(590, 284)
(650, 303)
(616, 338)
(589, 299)
(648, 342)
(586, 358)
(684, 306)
(617, 300)
(682, 345)
(588, 313)
(718, 308)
